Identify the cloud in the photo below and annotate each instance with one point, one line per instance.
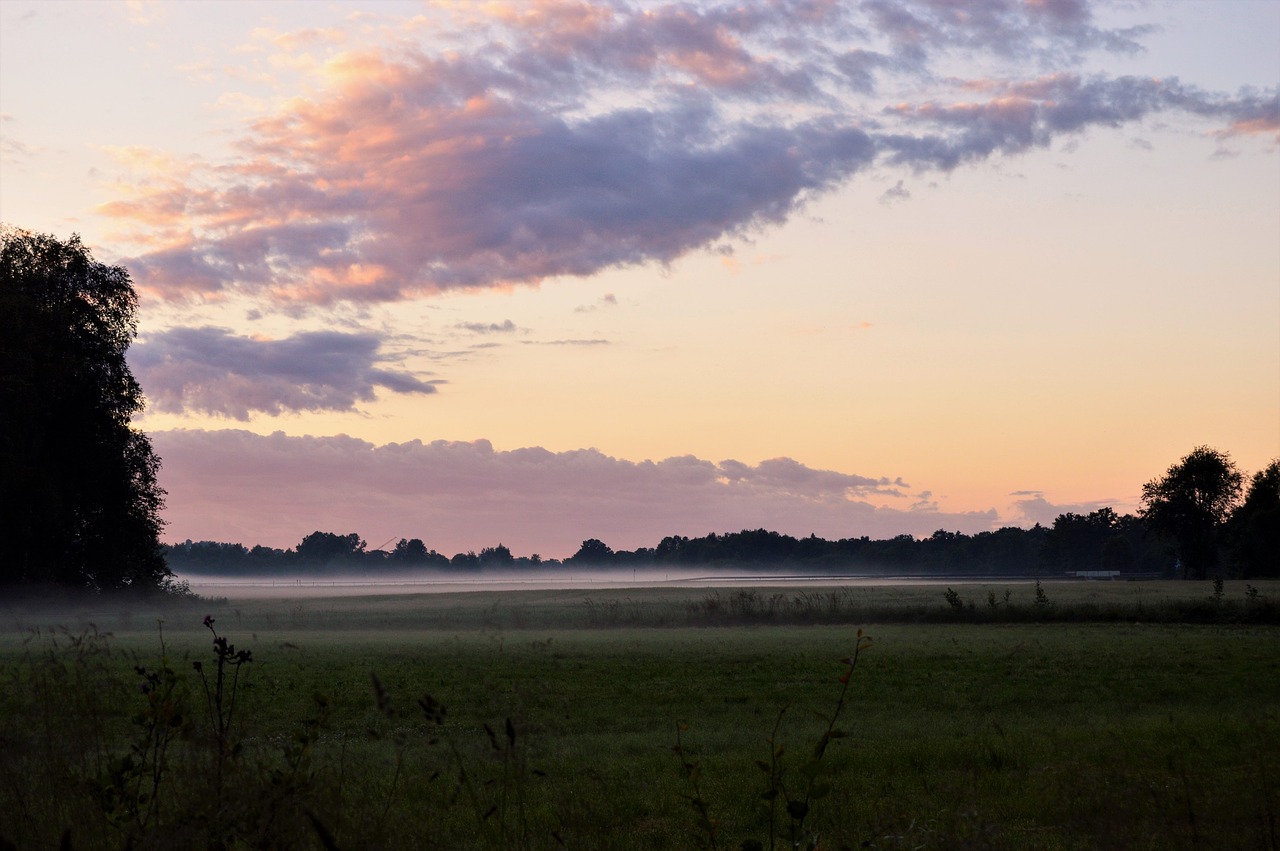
(565, 138)
(1034, 508)
(788, 475)
(211, 370)
(925, 502)
(501, 195)
(594, 342)
(897, 192)
(16, 152)
(604, 302)
(504, 327)
(1260, 115)
(145, 12)
(1052, 32)
(234, 485)
(1020, 115)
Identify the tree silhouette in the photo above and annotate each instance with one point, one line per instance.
(592, 551)
(1099, 539)
(328, 548)
(1189, 504)
(1255, 525)
(499, 556)
(411, 551)
(79, 484)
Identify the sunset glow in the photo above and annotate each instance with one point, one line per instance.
(533, 273)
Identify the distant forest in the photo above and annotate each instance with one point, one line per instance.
(1098, 541)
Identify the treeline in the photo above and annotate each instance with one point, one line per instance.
(1244, 546)
(328, 551)
(1101, 540)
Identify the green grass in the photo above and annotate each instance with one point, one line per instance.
(1054, 735)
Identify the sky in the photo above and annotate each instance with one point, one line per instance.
(536, 272)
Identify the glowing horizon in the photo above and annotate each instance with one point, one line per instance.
(592, 268)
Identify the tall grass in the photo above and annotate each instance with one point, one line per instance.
(850, 606)
(1048, 733)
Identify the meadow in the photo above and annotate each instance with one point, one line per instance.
(1104, 715)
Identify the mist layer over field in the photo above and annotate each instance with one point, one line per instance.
(564, 705)
(608, 599)
(441, 582)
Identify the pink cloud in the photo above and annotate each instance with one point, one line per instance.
(242, 487)
(396, 194)
(566, 138)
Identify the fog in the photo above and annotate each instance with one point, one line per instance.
(356, 585)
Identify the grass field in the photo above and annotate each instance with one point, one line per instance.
(563, 710)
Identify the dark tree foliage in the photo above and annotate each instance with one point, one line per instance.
(411, 551)
(208, 556)
(81, 501)
(1189, 504)
(1077, 540)
(1118, 554)
(1101, 540)
(465, 561)
(592, 551)
(1010, 551)
(414, 553)
(498, 556)
(328, 548)
(1255, 526)
(1004, 551)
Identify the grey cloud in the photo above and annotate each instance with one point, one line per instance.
(548, 198)
(463, 495)
(859, 68)
(925, 502)
(399, 382)
(789, 475)
(506, 326)
(605, 301)
(1030, 114)
(213, 371)
(596, 342)
(15, 151)
(457, 354)
(1052, 31)
(581, 142)
(897, 192)
(623, 189)
(1036, 509)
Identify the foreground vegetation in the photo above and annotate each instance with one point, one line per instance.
(503, 721)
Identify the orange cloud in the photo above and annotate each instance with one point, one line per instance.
(564, 138)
